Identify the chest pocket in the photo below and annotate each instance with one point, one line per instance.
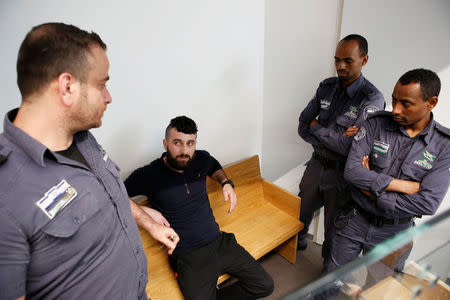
(72, 217)
(417, 168)
(379, 162)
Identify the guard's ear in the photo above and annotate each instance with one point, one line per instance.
(365, 59)
(165, 144)
(431, 103)
(68, 88)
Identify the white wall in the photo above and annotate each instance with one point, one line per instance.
(200, 58)
(300, 39)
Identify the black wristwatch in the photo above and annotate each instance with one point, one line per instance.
(228, 181)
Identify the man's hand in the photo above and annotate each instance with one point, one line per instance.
(350, 131)
(165, 235)
(365, 164)
(229, 194)
(313, 123)
(156, 216)
(161, 233)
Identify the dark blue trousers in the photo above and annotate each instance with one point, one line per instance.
(353, 235)
(319, 187)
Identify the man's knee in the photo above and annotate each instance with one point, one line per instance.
(267, 285)
(260, 287)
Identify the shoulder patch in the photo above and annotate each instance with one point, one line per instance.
(361, 134)
(442, 129)
(329, 81)
(371, 91)
(369, 110)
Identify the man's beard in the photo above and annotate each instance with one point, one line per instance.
(173, 163)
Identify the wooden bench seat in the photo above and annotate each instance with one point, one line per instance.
(265, 219)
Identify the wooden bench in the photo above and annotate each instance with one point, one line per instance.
(265, 219)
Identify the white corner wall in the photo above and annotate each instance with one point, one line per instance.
(200, 58)
(300, 39)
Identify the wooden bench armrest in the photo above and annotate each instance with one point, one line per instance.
(282, 199)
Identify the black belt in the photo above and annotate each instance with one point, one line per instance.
(380, 221)
(328, 163)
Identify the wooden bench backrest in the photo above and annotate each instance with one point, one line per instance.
(246, 176)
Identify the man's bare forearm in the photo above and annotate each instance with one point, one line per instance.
(403, 186)
(142, 219)
(219, 176)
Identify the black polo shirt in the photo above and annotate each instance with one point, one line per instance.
(180, 197)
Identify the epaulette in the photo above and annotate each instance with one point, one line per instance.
(380, 114)
(329, 81)
(442, 129)
(370, 90)
(3, 154)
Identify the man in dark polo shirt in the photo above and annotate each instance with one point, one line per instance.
(67, 227)
(175, 184)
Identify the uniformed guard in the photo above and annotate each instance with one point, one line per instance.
(67, 227)
(334, 114)
(398, 167)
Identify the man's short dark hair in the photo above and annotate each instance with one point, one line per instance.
(362, 43)
(50, 49)
(182, 124)
(430, 84)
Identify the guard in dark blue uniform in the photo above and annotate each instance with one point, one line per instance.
(337, 110)
(398, 167)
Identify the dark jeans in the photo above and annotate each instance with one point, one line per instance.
(319, 187)
(199, 270)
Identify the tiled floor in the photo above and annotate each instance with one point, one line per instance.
(290, 277)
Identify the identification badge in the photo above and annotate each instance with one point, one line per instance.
(325, 104)
(56, 199)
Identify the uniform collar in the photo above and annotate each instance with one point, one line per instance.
(424, 133)
(354, 87)
(430, 127)
(34, 149)
(30, 146)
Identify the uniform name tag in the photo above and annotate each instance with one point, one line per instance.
(56, 198)
(380, 147)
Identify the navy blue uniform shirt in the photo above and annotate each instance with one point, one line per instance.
(88, 249)
(180, 197)
(393, 154)
(338, 108)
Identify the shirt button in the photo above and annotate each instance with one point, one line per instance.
(76, 220)
(137, 251)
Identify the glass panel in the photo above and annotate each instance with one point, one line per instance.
(414, 264)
